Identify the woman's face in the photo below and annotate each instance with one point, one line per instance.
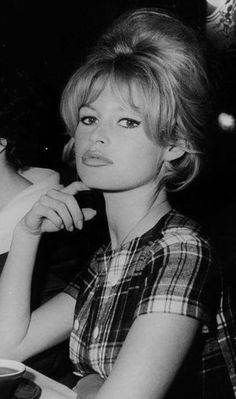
(113, 152)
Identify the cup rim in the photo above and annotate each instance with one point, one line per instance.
(20, 367)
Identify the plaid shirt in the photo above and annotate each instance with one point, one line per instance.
(169, 269)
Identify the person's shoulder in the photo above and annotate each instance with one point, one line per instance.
(38, 175)
(178, 223)
(178, 248)
(179, 229)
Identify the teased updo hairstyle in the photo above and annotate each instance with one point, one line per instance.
(162, 58)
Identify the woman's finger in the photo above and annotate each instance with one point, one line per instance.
(74, 188)
(71, 204)
(78, 215)
(88, 213)
(52, 222)
(61, 208)
(41, 219)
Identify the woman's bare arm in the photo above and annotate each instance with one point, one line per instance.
(150, 358)
(23, 334)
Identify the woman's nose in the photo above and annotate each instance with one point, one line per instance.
(100, 133)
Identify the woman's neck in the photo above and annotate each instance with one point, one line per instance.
(11, 185)
(130, 214)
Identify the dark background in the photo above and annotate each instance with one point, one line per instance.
(47, 40)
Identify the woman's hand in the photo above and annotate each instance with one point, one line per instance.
(88, 387)
(56, 210)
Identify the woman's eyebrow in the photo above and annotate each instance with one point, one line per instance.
(87, 106)
(119, 108)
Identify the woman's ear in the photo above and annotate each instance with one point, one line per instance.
(173, 152)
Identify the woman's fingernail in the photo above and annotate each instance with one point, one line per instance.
(79, 224)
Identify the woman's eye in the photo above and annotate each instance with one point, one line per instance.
(129, 123)
(88, 120)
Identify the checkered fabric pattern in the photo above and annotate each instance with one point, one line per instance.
(169, 269)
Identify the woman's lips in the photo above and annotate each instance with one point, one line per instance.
(95, 158)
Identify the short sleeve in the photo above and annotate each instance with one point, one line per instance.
(181, 277)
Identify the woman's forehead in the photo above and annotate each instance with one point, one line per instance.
(128, 94)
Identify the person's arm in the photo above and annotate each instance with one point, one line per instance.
(88, 386)
(48, 325)
(22, 334)
(152, 355)
(158, 342)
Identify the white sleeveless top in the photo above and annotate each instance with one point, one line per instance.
(43, 180)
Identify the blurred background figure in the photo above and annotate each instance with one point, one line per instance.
(23, 116)
(220, 23)
(21, 111)
(221, 211)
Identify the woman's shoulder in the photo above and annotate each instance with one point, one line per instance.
(183, 252)
(183, 226)
(178, 229)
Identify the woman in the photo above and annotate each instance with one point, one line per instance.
(18, 192)
(21, 110)
(143, 314)
(21, 185)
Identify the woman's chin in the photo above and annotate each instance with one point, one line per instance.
(92, 183)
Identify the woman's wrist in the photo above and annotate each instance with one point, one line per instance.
(22, 232)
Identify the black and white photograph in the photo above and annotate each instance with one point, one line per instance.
(118, 199)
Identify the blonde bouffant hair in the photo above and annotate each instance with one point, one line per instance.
(162, 58)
